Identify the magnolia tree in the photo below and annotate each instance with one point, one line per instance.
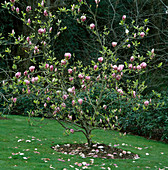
(81, 98)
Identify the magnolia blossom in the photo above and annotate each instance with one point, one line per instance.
(71, 78)
(70, 71)
(18, 74)
(13, 1)
(31, 68)
(114, 44)
(25, 73)
(28, 8)
(126, 31)
(17, 10)
(73, 102)
(92, 26)
(14, 100)
(83, 18)
(152, 51)
(120, 91)
(143, 65)
(81, 76)
(47, 66)
(134, 67)
(28, 39)
(146, 103)
(65, 96)
(124, 17)
(97, 1)
(51, 67)
(87, 77)
(120, 67)
(73, 7)
(27, 82)
(115, 67)
(50, 29)
(13, 8)
(41, 30)
(118, 77)
(129, 45)
(105, 107)
(36, 79)
(29, 21)
(95, 67)
(42, 3)
(132, 58)
(134, 94)
(32, 80)
(100, 59)
(45, 104)
(63, 105)
(80, 101)
(142, 34)
(48, 99)
(72, 131)
(63, 62)
(138, 67)
(130, 66)
(113, 75)
(45, 13)
(67, 56)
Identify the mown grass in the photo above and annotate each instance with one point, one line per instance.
(37, 141)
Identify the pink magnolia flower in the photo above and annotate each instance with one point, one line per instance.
(45, 13)
(63, 62)
(73, 102)
(95, 67)
(14, 100)
(50, 30)
(80, 101)
(28, 39)
(36, 79)
(17, 10)
(51, 67)
(48, 99)
(28, 8)
(132, 58)
(32, 80)
(47, 66)
(138, 67)
(70, 71)
(13, 8)
(143, 65)
(65, 96)
(83, 18)
(134, 67)
(142, 34)
(120, 91)
(13, 1)
(113, 75)
(146, 103)
(92, 26)
(71, 78)
(44, 30)
(25, 73)
(87, 77)
(114, 44)
(73, 7)
(31, 68)
(130, 66)
(105, 107)
(45, 104)
(97, 1)
(81, 76)
(40, 30)
(152, 51)
(118, 77)
(134, 94)
(27, 82)
(67, 56)
(42, 3)
(18, 74)
(29, 21)
(129, 45)
(115, 67)
(120, 67)
(72, 131)
(124, 17)
(100, 59)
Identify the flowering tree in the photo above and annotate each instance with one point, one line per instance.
(85, 97)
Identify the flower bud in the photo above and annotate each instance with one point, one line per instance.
(92, 26)
(83, 18)
(114, 44)
(17, 10)
(124, 17)
(80, 101)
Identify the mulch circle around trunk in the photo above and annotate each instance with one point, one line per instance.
(97, 151)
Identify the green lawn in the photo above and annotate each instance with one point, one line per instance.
(29, 147)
